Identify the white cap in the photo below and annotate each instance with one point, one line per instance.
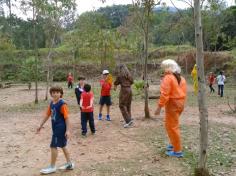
(105, 72)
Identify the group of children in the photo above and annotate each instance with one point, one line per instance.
(58, 111)
(220, 79)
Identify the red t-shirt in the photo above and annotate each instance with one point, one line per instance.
(106, 88)
(86, 97)
(211, 79)
(70, 78)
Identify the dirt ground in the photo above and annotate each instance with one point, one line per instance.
(113, 151)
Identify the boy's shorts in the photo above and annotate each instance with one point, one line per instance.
(105, 100)
(58, 141)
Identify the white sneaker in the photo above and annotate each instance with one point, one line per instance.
(48, 170)
(67, 166)
(127, 125)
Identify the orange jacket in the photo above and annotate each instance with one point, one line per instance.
(170, 89)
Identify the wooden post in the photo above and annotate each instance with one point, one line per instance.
(203, 113)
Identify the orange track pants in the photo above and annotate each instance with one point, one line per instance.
(173, 111)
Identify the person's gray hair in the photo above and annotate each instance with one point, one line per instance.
(171, 65)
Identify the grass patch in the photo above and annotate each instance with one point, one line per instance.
(214, 99)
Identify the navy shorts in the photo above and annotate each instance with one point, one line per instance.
(105, 100)
(58, 141)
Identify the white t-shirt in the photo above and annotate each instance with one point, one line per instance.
(221, 79)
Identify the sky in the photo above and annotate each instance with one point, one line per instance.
(89, 5)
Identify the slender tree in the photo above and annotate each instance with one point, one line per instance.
(143, 9)
(203, 112)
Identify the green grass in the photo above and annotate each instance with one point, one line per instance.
(174, 49)
(214, 99)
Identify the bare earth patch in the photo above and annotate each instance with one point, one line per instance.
(113, 151)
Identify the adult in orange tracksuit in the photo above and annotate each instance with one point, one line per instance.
(173, 94)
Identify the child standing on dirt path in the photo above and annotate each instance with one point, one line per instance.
(173, 95)
(58, 111)
(211, 81)
(86, 104)
(79, 89)
(125, 80)
(70, 80)
(105, 98)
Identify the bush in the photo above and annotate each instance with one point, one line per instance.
(59, 75)
(139, 85)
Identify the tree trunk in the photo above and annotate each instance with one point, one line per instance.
(203, 113)
(74, 61)
(36, 55)
(48, 73)
(146, 108)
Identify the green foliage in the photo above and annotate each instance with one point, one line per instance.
(59, 75)
(27, 72)
(5, 43)
(138, 85)
(115, 14)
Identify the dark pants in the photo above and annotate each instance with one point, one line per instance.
(211, 88)
(125, 99)
(85, 117)
(70, 85)
(221, 90)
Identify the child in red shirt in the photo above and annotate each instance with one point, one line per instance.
(105, 98)
(70, 80)
(86, 104)
(211, 81)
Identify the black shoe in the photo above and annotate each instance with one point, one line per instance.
(83, 134)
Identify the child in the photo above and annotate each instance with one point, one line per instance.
(211, 81)
(70, 80)
(58, 111)
(105, 98)
(79, 88)
(86, 104)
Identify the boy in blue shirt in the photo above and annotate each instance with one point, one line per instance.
(58, 111)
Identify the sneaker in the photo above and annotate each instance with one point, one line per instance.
(67, 166)
(83, 134)
(127, 125)
(48, 170)
(100, 117)
(175, 154)
(108, 118)
(169, 147)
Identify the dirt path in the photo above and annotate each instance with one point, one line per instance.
(113, 151)
(25, 153)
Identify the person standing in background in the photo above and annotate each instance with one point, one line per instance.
(221, 82)
(125, 80)
(211, 81)
(195, 80)
(70, 80)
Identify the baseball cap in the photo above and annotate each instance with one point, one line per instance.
(105, 72)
